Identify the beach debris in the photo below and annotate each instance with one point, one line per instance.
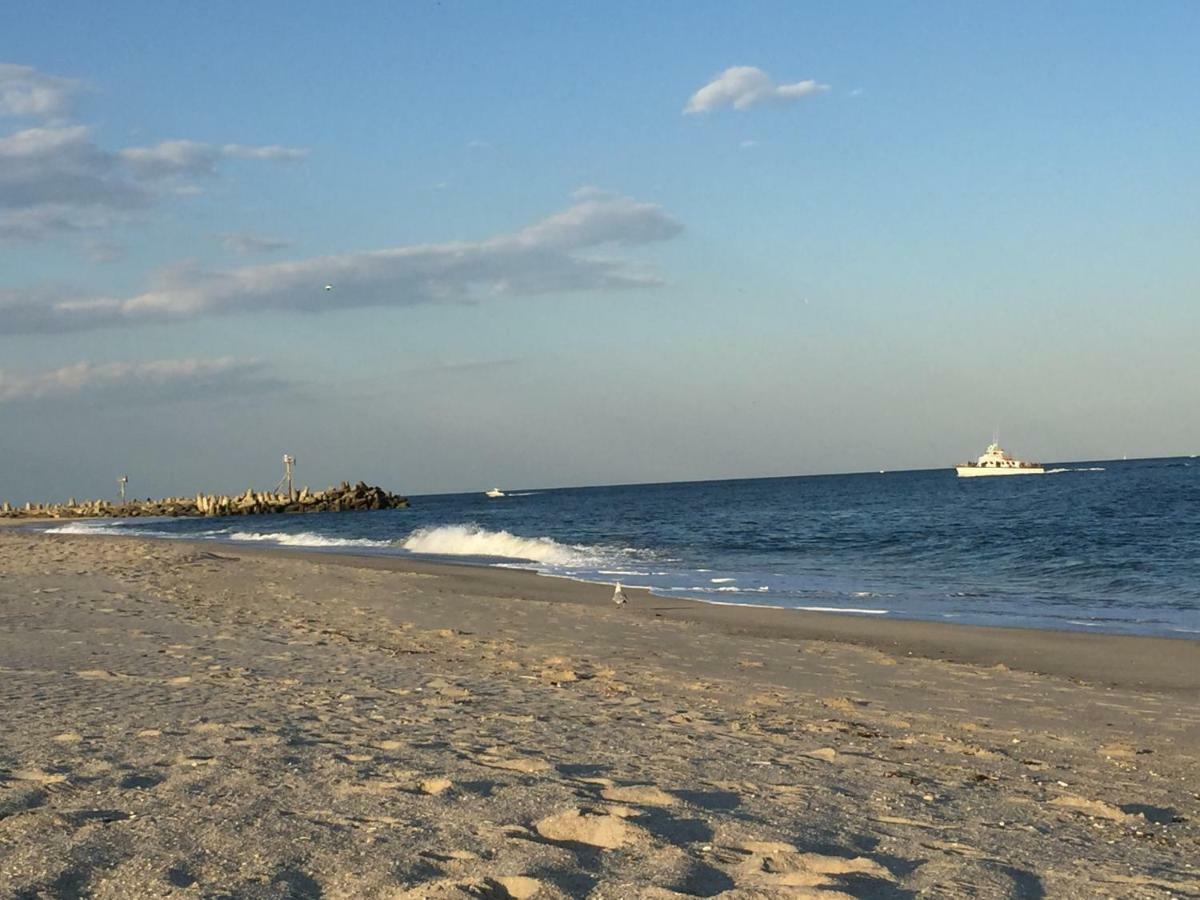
(619, 597)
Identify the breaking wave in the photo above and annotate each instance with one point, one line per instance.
(471, 540)
(88, 528)
(305, 539)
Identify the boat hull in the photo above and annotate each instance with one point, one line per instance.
(980, 471)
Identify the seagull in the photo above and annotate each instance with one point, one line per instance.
(619, 597)
(329, 287)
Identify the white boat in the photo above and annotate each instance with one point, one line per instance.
(494, 493)
(996, 462)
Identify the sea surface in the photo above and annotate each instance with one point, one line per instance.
(1108, 546)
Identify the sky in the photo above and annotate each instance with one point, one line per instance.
(446, 246)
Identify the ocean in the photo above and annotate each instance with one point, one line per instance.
(1110, 546)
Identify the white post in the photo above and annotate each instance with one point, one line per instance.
(288, 462)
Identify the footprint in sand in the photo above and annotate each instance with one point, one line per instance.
(639, 795)
(1097, 808)
(527, 765)
(774, 864)
(435, 786)
(38, 776)
(604, 830)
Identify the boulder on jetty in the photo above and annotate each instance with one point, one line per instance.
(342, 498)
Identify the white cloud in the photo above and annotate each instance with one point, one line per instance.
(590, 192)
(194, 158)
(744, 86)
(546, 257)
(250, 244)
(173, 379)
(24, 91)
(748, 144)
(269, 152)
(55, 179)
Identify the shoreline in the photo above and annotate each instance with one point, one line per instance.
(1159, 622)
(1123, 661)
(1167, 664)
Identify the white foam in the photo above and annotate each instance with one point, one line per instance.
(86, 528)
(721, 580)
(304, 539)
(106, 528)
(844, 609)
(471, 540)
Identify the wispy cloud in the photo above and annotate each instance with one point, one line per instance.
(24, 91)
(251, 244)
(55, 179)
(550, 256)
(744, 86)
(442, 367)
(166, 379)
(195, 158)
(100, 251)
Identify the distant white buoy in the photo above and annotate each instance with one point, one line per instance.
(619, 597)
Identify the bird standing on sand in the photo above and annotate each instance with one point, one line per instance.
(619, 597)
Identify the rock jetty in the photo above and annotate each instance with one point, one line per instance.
(342, 498)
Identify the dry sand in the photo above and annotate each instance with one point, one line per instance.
(198, 721)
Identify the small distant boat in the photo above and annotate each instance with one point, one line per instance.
(494, 493)
(996, 462)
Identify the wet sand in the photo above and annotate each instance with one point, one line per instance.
(211, 721)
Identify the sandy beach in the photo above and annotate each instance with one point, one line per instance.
(209, 721)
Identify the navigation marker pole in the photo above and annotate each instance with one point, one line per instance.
(288, 462)
(122, 481)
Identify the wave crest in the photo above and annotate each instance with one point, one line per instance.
(471, 540)
(89, 528)
(304, 539)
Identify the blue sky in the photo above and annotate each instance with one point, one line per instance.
(917, 222)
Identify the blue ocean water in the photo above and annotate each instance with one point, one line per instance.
(1108, 546)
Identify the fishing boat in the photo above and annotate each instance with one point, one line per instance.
(996, 462)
